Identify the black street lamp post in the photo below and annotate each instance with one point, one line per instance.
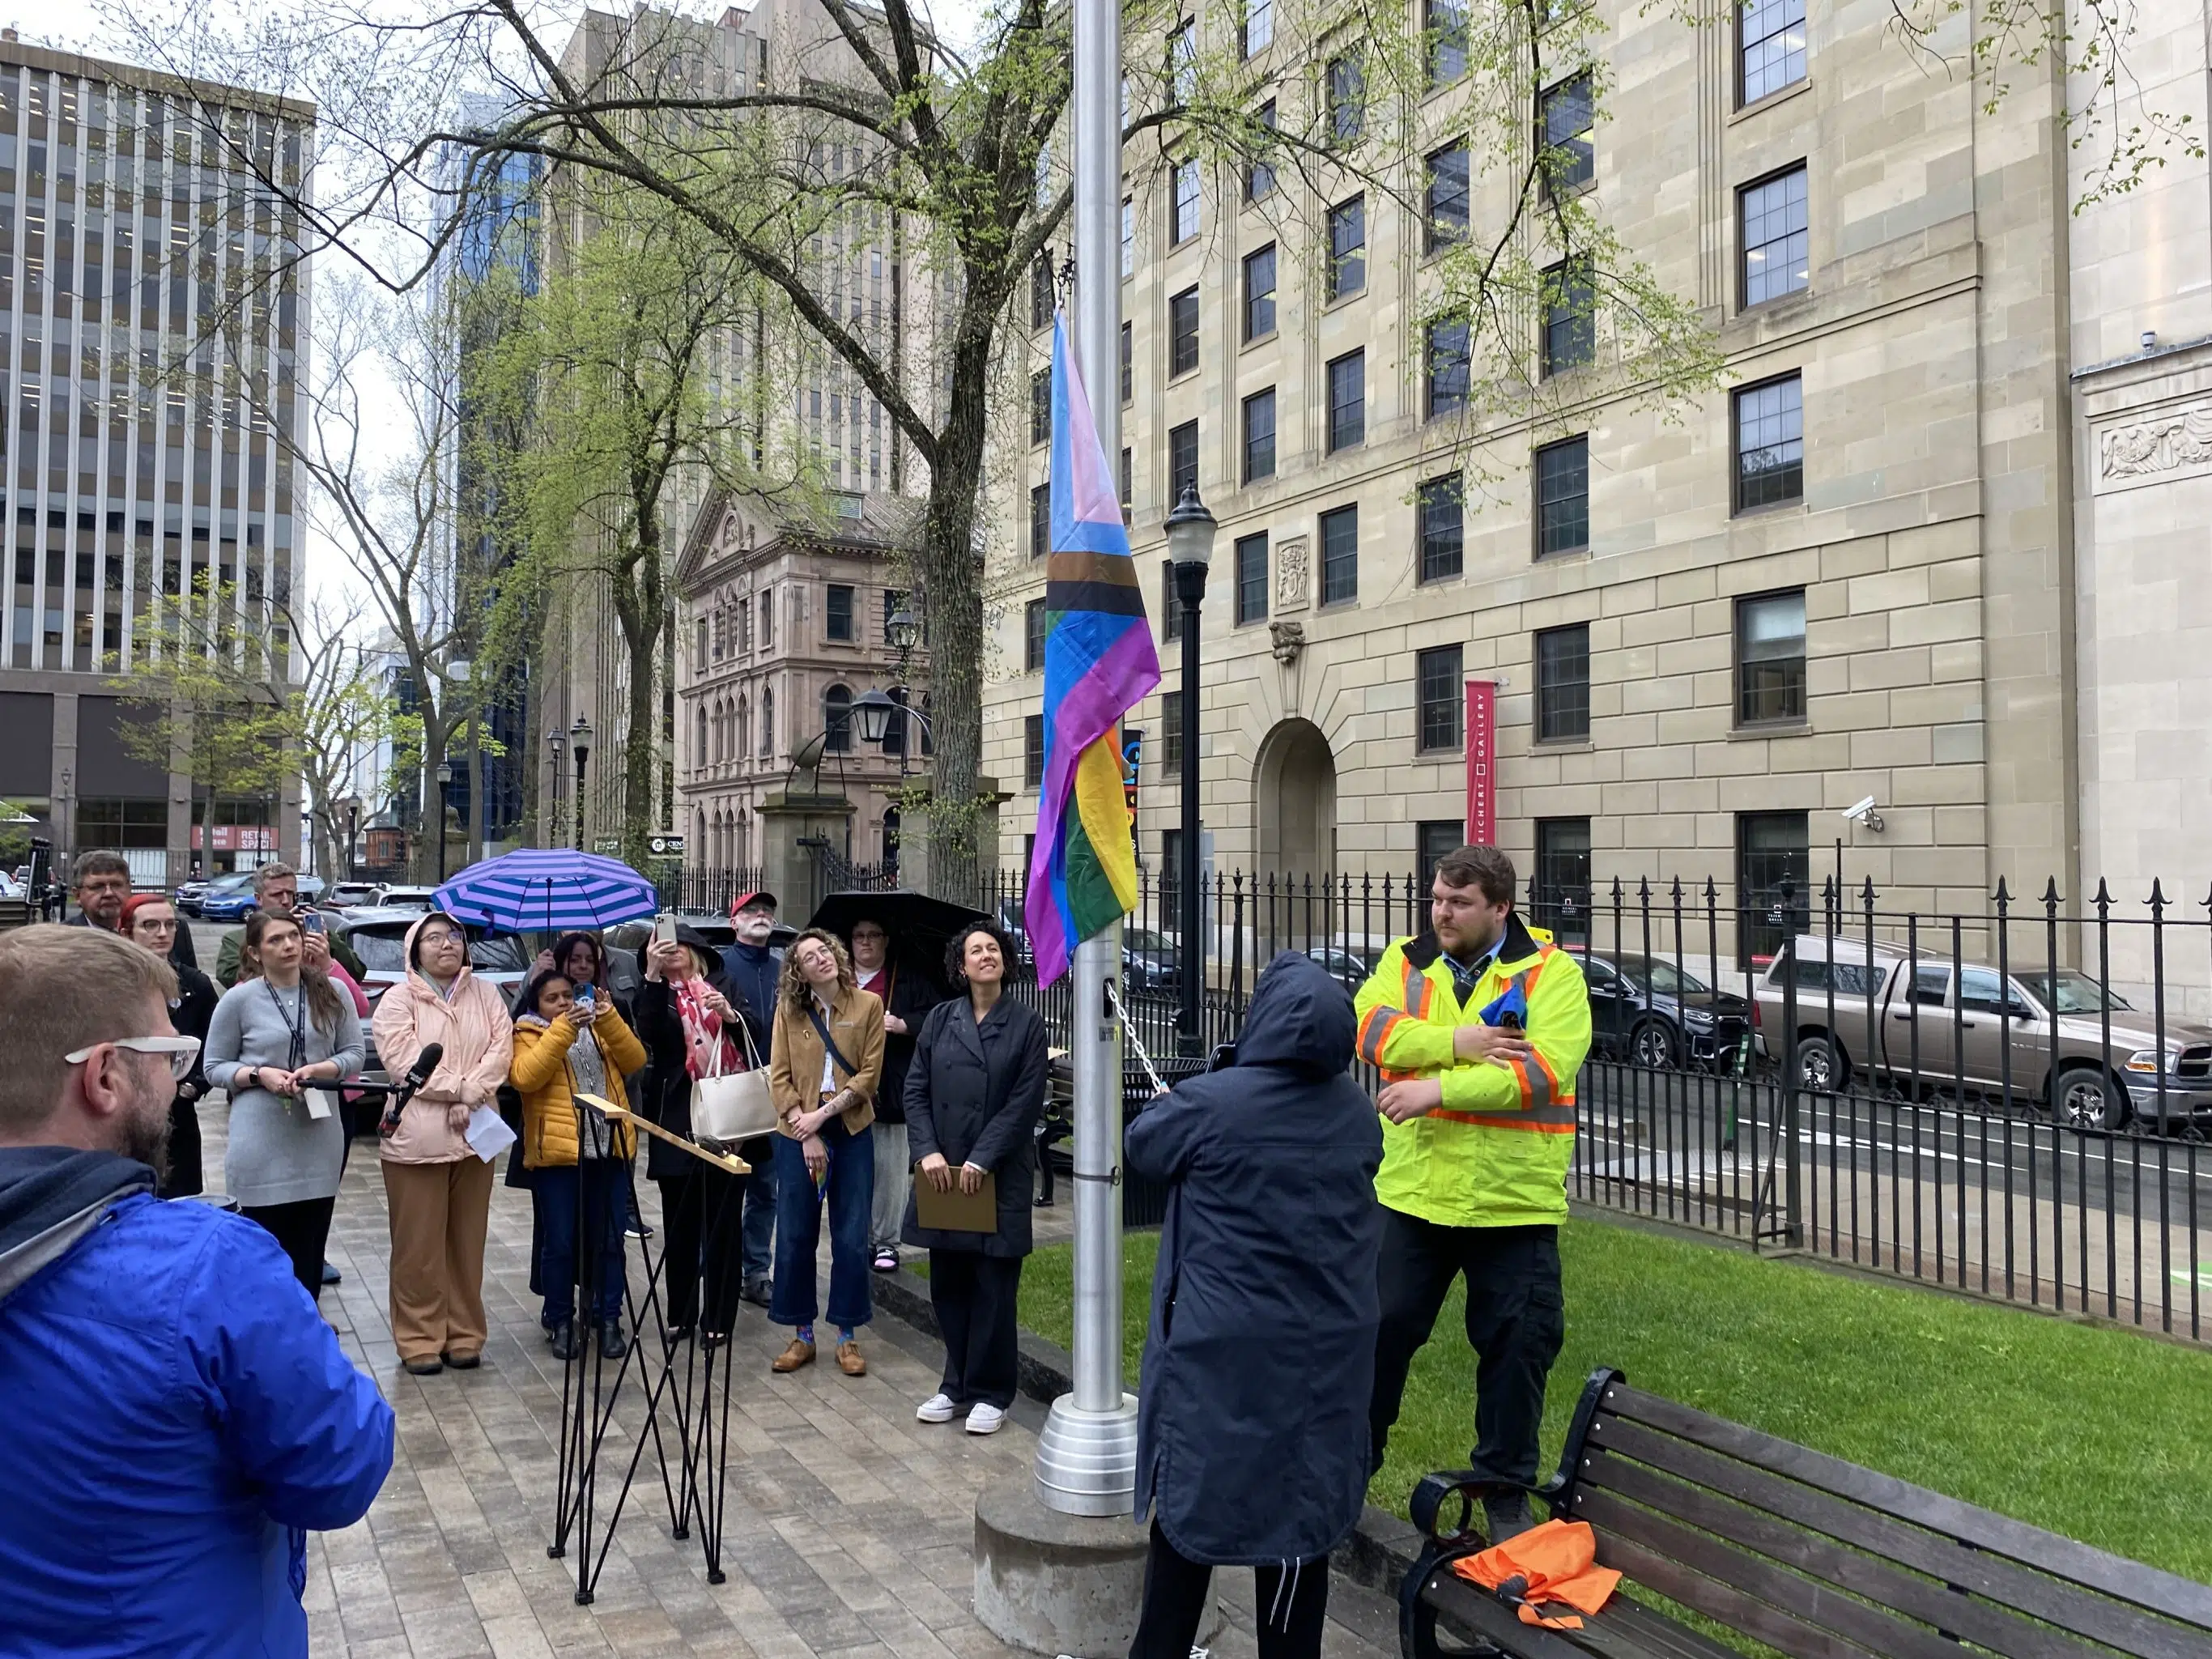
(579, 744)
(444, 806)
(1190, 529)
(557, 741)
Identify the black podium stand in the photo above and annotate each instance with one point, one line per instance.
(686, 1383)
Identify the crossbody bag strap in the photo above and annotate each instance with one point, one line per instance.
(821, 1031)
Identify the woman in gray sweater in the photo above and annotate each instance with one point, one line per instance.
(276, 1035)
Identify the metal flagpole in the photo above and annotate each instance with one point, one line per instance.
(1087, 1457)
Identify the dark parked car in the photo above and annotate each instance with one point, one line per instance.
(1653, 1014)
(1350, 968)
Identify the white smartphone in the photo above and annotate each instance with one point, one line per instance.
(664, 928)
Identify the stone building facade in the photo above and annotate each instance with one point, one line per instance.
(1846, 574)
(782, 623)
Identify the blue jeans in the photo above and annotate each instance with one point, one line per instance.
(756, 1235)
(605, 1209)
(798, 1208)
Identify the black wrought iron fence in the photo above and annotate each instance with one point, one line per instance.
(708, 889)
(2011, 1100)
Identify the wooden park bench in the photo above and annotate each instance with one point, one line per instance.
(1813, 1557)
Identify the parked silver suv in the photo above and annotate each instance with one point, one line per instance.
(1939, 1026)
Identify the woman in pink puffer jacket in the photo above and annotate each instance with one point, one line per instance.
(436, 1188)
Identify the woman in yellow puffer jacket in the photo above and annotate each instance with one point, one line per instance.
(571, 1042)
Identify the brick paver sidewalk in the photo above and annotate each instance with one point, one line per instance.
(850, 1525)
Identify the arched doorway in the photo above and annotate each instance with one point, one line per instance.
(1294, 792)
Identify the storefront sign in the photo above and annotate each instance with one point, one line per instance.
(1482, 763)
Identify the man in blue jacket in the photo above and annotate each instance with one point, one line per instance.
(178, 1414)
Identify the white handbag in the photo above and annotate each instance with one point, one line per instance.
(733, 1106)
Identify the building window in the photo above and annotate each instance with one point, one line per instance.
(1251, 579)
(1258, 32)
(1562, 898)
(1171, 732)
(699, 646)
(1128, 362)
(1126, 471)
(1339, 555)
(1565, 121)
(1259, 175)
(1348, 97)
(894, 602)
(1128, 236)
(1347, 247)
(1183, 203)
(1170, 606)
(1260, 436)
(1041, 407)
(1771, 215)
(1569, 316)
(1259, 292)
(744, 627)
(1450, 363)
(1563, 685)
(1032, 751)
(1041, 291)
(1772, 850)
(768, 725)
(1446, 220)
(1436, 840)
(1182, 333)
(1773, 50)
(1182, 63)
(1563, 497)
(1033, 636)
(700, 754)
(1183, 461)
(1444, 22)
(1347, 400)
(837, 720)
(1770, 444)
(768, 618)
(1441, 700)
(837, 614)
(1443, 517)
(1770, 658)
(1040, 520)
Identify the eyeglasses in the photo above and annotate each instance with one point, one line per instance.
(156, 924)
(181, 1050)
(438, 936)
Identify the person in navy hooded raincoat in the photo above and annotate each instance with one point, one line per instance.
(1252, 1430)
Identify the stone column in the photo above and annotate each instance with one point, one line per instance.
(790, 825)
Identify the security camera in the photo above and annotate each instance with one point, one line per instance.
(1864, 813)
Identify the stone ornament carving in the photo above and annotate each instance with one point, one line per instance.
(2165, 444)
(1292, 578)
(1290, 639)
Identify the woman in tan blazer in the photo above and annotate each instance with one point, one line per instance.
(825, 1059)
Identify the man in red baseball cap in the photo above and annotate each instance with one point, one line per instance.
(753, 967)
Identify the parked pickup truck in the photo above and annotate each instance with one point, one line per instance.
(1959, 1024)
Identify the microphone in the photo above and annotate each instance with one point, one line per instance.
(396, 1101)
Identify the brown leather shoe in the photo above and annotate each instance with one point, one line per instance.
(849, 1361)
(798, 1353)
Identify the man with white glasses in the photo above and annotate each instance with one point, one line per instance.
(180, 1414)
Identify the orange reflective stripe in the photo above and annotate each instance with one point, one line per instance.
(1549, 1124)
(1374, 1031)
(1419, 991)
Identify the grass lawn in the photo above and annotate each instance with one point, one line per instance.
(2101, 1435)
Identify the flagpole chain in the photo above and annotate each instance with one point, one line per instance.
(1144, 1059)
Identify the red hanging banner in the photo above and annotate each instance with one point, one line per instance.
(1482, 763)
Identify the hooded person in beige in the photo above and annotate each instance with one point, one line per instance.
(437, 1190)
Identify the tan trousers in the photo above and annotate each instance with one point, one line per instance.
(439, 1214)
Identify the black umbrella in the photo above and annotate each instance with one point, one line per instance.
(921, 926)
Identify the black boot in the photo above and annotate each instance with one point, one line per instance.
(1506, 1516)
(613, 1345)
(562, 1339)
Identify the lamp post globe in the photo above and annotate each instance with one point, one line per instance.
(903, 631)
(872, 711)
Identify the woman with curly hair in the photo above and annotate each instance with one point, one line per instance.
(825, 1057)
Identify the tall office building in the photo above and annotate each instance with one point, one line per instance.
(153, 339)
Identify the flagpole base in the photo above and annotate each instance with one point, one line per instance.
(1086, 1462)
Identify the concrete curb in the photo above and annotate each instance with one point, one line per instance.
(1379, 1553)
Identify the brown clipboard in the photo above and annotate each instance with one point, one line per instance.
(957, 1212)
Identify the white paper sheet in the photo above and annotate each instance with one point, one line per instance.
(488, 1135)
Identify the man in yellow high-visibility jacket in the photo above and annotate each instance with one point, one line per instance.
(1479, 1027)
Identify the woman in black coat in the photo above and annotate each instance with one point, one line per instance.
(973, 1092)
(149, 920)
(701, 1206)
(1252, 1436)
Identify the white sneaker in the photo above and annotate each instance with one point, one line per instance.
(937, 1408)
(985, 1419)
